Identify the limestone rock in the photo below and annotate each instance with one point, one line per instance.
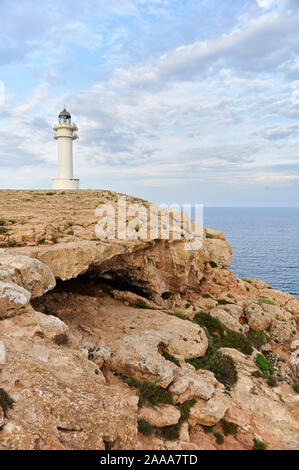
(235, 414)
(256, 317)
(280, 298)
(220, 251)
(228, 320)
(26, 272)
(293, 307)
(132, 299)
(210, 412)
(2, 417)
(53, 412)
(189, 384)
(241, 361)
(212, 233)
(13, 299)
(160, 416)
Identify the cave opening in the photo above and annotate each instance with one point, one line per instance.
(93, 284)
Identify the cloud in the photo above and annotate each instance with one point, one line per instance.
(186, 97)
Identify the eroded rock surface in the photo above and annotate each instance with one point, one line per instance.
(126, 316)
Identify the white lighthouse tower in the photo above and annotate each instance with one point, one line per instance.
(66, 133)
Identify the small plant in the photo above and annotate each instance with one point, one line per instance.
(264, 365)
(185, 409)
(225, 338)
(150, 392)
(295, 387)
(223, 367)
(144, 427)
(170, 358)
(141, 304)
(272, 381)
(6, 402)
(219, 438)
(188, 305)
(257, 374)
(3, 229)
(223, 302)
(171, 432)
(179, 315)
(213, 264)
(232, 339)
(60, 339)
(2, 222)
(229, 428)
(259, 445)
(50, 193)
(207, 296)
(212, 324)
(247, 280)
(266, 301)
(257, 338)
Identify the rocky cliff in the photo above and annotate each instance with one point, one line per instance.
(135, 344)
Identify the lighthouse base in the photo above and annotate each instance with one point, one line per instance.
(65, 183)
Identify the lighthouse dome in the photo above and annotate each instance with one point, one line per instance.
(64, 116)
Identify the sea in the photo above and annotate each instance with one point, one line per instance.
(265, 242)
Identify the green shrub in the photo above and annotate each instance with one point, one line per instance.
(207, 296)
(257, 338)
(264, 365)
(179, 315)
(222, 366)
(219, 438)
(141, 304)
(6, 402)
(150, 392)
(257, 374)
(223, 302)
(3, 229)
(185, 409)
(259, 445)
(188, 305)
(296, 387)
(212, 324)
(229, 428)
(272, 381)
(226, 338)
(131, 382)
(170, 358)
(60, 339)
(266, 301)
(144, 427)
(213, 264)
(232, 339)
(171, 432)
(247, 280)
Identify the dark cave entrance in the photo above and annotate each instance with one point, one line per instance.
(94, 284)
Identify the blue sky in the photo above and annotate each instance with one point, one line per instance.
(175, 100)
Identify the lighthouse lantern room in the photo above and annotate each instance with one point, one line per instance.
(66, 132)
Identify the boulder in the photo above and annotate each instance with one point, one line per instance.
(220, 251)
(228, 320)
(61, 404)
(26, 272)
(189, 384)
(160, 416)
(256, 317)
(13, 299)
(209, 412)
